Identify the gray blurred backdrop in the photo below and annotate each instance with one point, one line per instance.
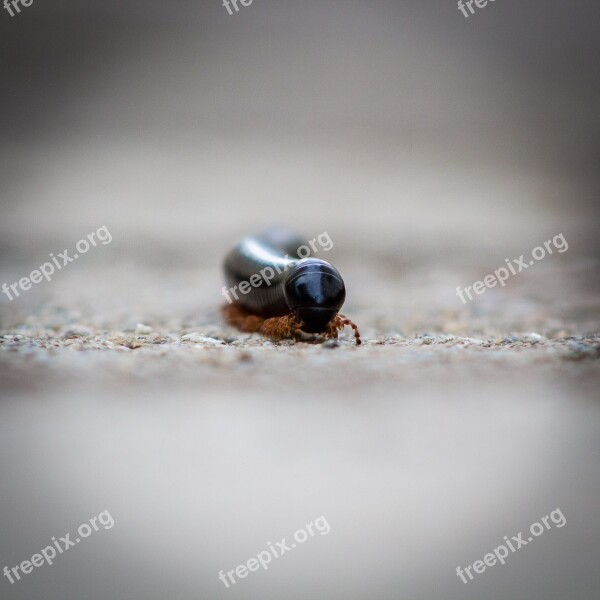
(430, 147)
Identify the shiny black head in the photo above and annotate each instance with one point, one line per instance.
(314, 292)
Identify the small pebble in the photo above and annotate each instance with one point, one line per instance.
(76, 331)
(470, 342)
(141, 329)
(533, 338)
(197, 338)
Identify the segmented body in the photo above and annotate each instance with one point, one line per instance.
(275, 250)
(289, 295)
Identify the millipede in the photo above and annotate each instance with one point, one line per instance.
(280, 294)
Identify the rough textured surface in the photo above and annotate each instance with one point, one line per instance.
(412, 323)
(83, 351)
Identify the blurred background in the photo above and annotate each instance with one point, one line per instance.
(430, 147)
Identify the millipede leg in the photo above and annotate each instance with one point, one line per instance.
(346, 321)
(281, 328)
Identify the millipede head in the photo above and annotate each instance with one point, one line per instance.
(314, 292)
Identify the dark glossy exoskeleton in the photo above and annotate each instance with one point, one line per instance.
(309, 288)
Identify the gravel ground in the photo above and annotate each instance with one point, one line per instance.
(413, 326)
